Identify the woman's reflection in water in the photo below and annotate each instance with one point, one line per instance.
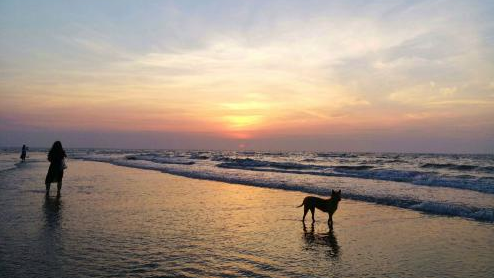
(327, 239)
(51, 208)
(51, 237)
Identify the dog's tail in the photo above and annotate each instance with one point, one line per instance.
(300, 205)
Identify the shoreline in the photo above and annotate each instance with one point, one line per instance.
(484, 215)
(431, 207)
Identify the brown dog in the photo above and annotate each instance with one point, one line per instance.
(327, 205)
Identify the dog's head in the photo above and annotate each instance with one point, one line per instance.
(336, 195)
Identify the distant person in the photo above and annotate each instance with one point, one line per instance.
(56, 156)
(24, 152)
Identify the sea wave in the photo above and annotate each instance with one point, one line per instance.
(160, 159)
(240, 163)
(347, 155)
(7, 166)
(352, 167)
(399, 200)
(198, 156)
(14, 164)
(480, 184)
(481, 214)
(460, 167)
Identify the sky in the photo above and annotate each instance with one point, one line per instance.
(397, 76)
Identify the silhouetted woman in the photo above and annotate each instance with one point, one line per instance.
(23, 153)
(56, 157)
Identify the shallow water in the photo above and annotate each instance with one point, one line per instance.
(113, 221)
(440, 184)
(457, 185)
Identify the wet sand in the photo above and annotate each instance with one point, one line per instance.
(114, 221)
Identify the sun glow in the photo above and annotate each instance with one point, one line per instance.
(240, 119)
(237, 123)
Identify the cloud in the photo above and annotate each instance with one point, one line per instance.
(249, 68)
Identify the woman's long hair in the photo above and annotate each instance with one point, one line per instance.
(56, 152)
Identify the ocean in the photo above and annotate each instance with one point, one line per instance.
(237, 215)
(460, 185)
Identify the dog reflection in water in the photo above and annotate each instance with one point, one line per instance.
(316, 239)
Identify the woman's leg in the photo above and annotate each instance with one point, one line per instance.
(47, 188)
(59, 187)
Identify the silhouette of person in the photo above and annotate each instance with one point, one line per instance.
(56, 157)
(23, 153)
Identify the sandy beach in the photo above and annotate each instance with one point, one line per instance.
(113, 221)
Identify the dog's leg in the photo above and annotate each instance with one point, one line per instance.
(330, 222)
(306, 209)
(312, 210)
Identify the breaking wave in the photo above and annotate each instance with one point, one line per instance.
(460, 167)
(480, 184)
